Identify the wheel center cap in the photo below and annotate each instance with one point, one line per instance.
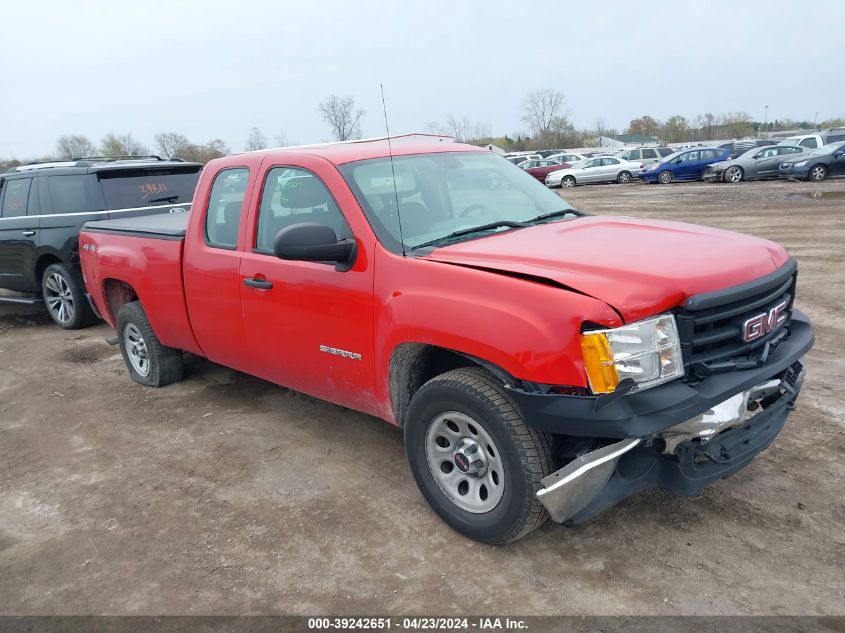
(469, 458)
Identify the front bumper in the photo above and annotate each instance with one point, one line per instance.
(800, 173)
(712, 175)
(677, 436)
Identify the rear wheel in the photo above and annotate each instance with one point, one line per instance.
(149, 362)
(474, 459)
(568, 182)
(817, 172)
(665, 177)
(64, 294)
(734, 175)
(623, 177)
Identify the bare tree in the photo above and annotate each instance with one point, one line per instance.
(343, 117)
(121, 145)
(646, 125)
(543, 111)
(281, 139)
(256, 140)
(74, 146)
(172, 145)
(707, 124)
(676, 129)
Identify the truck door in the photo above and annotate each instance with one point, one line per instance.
(212, 259)
(308, 326)
(18, 235)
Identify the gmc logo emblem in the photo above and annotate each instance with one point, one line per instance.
(762, 324)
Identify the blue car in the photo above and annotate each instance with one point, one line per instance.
(688, 164)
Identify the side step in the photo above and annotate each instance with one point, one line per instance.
(26, 300)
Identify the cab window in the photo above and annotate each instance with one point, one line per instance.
(225, 205)
(292, 196)
(809, 142)
(15, 197)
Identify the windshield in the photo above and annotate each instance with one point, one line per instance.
(827, 149)
(439, 194)
(128, 189)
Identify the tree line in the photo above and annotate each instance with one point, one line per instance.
(544, 113)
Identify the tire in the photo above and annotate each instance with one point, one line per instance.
(817, 173)
(514, 457)
(664, 177)
(734, 175)
(149, 362)
(64, 295)
(624, 177)
(568, 182)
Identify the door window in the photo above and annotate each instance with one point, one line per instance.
(293, 196)
(649, 153)
(790, 150)
(15, 197)
(609, 161)
(225, 205)
(69, 194)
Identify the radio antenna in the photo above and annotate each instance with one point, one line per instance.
(392, 170)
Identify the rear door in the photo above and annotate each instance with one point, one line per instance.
(609, 169)
(67, 202)
(18, 234)
(211, 263)
(649, 156)
(308, 325)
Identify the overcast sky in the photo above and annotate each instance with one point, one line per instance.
(214, 69)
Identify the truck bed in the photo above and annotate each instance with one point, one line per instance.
(162, 226)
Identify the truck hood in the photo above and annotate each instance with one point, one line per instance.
(638, 267)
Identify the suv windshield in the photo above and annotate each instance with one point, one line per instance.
(131, 188)
(444, 193)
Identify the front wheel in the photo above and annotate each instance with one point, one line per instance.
(817, 172)
(665, 177)
(474, 459)
(149, 362)
(623, 177)
(568, 182)
(734, 175)
(64, 294)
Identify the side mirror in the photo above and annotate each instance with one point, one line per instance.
(310, 242)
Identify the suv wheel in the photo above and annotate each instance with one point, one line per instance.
(149, 362)
(63, 291)
(474, 459)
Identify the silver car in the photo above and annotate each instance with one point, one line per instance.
(755, 164)
(597, 169)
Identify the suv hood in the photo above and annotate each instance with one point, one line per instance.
(638, 267)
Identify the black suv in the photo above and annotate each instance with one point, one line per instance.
(44, 205)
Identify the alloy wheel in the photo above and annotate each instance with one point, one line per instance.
(59, 298)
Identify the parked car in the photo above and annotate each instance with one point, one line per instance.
(539, 361)
(737, 148)
(569, 157)
(542, 168)
(43, 206)
(755, 164)
(645, 155)
(593, 170)
(688, 164)
(548, 153)
(516, 159)
(815, 141)
(828, 160)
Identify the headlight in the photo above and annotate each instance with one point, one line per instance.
(801, 164)
(647, 351)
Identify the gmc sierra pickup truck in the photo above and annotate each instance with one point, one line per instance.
(540, 361)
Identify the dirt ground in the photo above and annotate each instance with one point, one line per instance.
(225, 494)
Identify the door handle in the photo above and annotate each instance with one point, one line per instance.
(262, 284)
(28, 233)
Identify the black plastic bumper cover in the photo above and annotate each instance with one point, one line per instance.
(657, 409)
(695, 465)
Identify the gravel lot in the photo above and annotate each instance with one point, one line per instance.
(225, 494)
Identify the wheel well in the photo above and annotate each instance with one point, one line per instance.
(41, 265)
(414, 364)
(117, 293)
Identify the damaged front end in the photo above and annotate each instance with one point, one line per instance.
(683, 458)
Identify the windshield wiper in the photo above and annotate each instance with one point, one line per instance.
(167, 199)
(475, 229)
(560, 213)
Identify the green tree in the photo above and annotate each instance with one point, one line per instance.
(676, 129)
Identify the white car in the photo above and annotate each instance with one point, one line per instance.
(568, 157)
(597, 169)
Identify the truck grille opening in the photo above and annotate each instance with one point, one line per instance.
(710, 325)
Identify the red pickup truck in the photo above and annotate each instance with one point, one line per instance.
(540, 361)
